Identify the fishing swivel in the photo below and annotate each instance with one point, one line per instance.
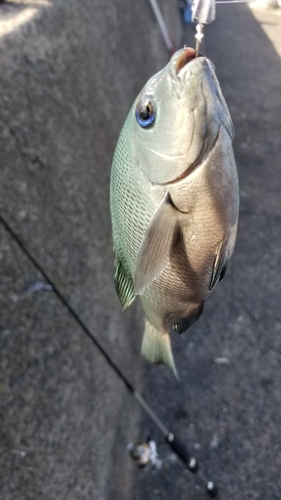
(203, 12)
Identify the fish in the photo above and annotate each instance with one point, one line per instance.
(174, 199)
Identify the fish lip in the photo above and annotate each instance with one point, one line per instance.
(201, 158)
(201, 59)
(184, 58)
(177, 76)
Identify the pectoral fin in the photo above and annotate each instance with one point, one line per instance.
(156, 245)
(123, 284)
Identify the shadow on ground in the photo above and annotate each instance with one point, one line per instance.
(228, 414)
(69, 74)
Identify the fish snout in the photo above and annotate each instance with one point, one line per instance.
(187, 55)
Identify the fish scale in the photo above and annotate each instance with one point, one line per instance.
(174, 199)
(133, 210)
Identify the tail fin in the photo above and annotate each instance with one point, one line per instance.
(156, 346)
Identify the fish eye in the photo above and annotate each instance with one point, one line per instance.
(145, 113)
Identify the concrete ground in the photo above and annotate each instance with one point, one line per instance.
(229, 414)
(69, 72)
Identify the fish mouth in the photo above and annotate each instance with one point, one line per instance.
(199, 116)
(191, 63)
(185, 57)
(188, 62)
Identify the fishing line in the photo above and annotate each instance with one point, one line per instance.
(235, 1)
(162, 25)
(67, 304)
(165, 32)
(171, 439)
(204, 12)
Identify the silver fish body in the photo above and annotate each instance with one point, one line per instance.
(174, 199)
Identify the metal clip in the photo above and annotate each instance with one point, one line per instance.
(203, 12)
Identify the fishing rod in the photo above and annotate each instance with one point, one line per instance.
(174, 442)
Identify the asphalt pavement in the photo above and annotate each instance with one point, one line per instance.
(227, 407)
(69, 73)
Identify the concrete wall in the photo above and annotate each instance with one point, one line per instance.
(69, 73)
